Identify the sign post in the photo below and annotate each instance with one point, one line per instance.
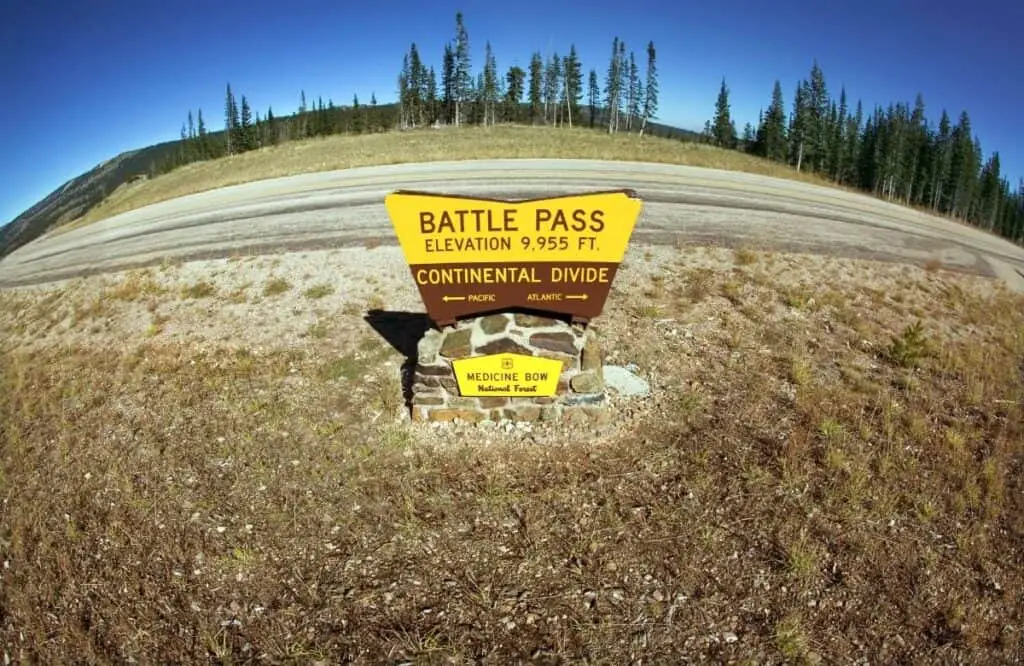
(512, 287)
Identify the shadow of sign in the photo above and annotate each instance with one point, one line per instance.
(401, 330)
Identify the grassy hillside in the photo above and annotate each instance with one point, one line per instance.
(118, 178)
(346, 151)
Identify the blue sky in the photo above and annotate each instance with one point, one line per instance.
(83, 82)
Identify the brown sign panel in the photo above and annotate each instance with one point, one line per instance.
(470, 256)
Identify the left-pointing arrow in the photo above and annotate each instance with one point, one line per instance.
(446, 299)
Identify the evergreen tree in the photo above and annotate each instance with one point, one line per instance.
(748, 138)
(853, 146)
(623, 108)
(202, 137)
(490, 86)
(573, 74)
(405, 103)
(416, 85)
(817, 119)
(942, 163)
(593, 96)
(837, 152)
(303, 120)
(230, 122)
(272, 128)
(536, 86)
(722, 127)
(462, 72)
(612, 88)
(635, 92)
(448, 84)
(990, 192)
(372, 118)
(432, 110)
(552, 76)
(357, 115)
(963, 168)
(650, 109)
(516, 86)
(771, 139)
(799, 124)
(246, 136)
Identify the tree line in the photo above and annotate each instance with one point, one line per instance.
(893, 152)
(551, 91)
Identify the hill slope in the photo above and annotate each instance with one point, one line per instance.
(79, 195)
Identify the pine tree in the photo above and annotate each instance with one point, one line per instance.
(536, 86)
(990, 191)
(623, 68)
(230, 122)
(612, 87)
(490, 86)
(771, 134)
(635, 92)
(303, 120)
(853, 145)
(942, 149)
(372, 120)
(448, 84)
(573, 73)
(416, 84)
(357, 115)
(593, 96)
(432, 111)
(963, 169)
(817, 121)
(516, 83)
(202, 137)
(650, 89)
(552, 75)
(837, 144)
(463, 73)
(748, 138)
(405, 103)
(722, 128)
(272, 129)
(799, 124)
(245, 136)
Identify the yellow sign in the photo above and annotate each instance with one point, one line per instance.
(434, 229)
(507, 375)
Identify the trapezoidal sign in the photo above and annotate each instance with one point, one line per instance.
(470, 255)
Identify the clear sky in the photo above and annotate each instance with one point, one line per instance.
(82, 82)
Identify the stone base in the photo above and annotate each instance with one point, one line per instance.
(580, 396)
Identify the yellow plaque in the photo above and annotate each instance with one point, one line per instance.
(507, 375)
(435, 229)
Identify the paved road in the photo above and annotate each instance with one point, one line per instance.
(681, 205)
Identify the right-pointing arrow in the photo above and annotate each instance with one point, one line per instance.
(576, 297)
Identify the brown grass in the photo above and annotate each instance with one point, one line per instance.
(342, 152)
(801, 494)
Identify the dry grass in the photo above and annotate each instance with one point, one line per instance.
(342, 152)
(795, 492)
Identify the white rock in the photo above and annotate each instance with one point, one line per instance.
(624, 382)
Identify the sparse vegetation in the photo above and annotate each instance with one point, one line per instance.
(780, 491)
(319, 291)
(276, 286)
(200, 289)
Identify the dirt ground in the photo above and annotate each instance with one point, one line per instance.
(212, 461)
